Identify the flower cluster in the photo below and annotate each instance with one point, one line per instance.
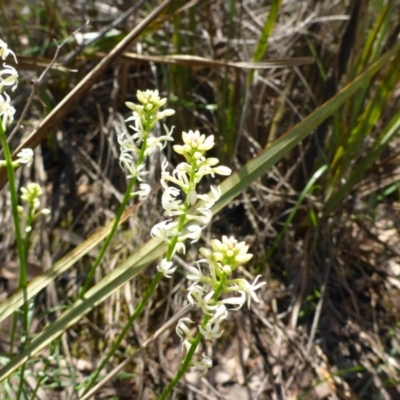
(135, 147)
(182, 194)
(30, 195)
(8, 79)
(208, 290)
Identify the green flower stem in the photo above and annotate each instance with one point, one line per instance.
(141, 305)
(121, 336)
(182, 218)
(22, 282)
(121, 209)
(143, 302)
(189, 355)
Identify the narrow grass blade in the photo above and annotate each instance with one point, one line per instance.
(309, 187)
(14, 302)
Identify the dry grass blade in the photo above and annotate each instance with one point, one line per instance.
(62, 109)
(195, 61)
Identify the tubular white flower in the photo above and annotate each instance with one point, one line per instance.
(206, 303)
(8, 80)
(165, 230)
(171, 205)
(221, 313)
(211, 199)
(192, 232)
(166, 268)
(143, 192)
(204, 217)
(182, 329)
(207, 170)
(204, 365)
(127, 143)
(7, 111)
(25, 156)
(5, 51)
(211, 332)
(179, 178)
(222, 170)
(238, 302)
(160, 142)
(11, 79)
(247, 289)
(196, 275)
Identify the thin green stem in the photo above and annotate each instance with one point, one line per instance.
(20, 247)
(121, 209)
(182, 218)
(194, 344)
(145, 299)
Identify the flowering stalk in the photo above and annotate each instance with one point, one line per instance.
(185, 177)
(9, 79)
(134, 149)
(207, 293)
(31, 194)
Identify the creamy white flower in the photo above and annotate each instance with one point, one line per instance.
(140, 132)
(128, 164)
(235, 301)
(196, 275)
(127, 143)
(192, 232)
(5, 51)
(171, 205)
(207, 170)
(199, 142)
(143, 192)
(166, 268)
(25, 156)
(182, 329)
(160, 142)
(165, 230)
(204, 216)
(135, 147)
(204, 365)
(211, 331)
(179, 178)
(180, 248)
(244, 287)
(11, 79)
(211, 198)
(7, 111)
(221, 313)
(150, 97)
(165, 113)
(206, 303)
